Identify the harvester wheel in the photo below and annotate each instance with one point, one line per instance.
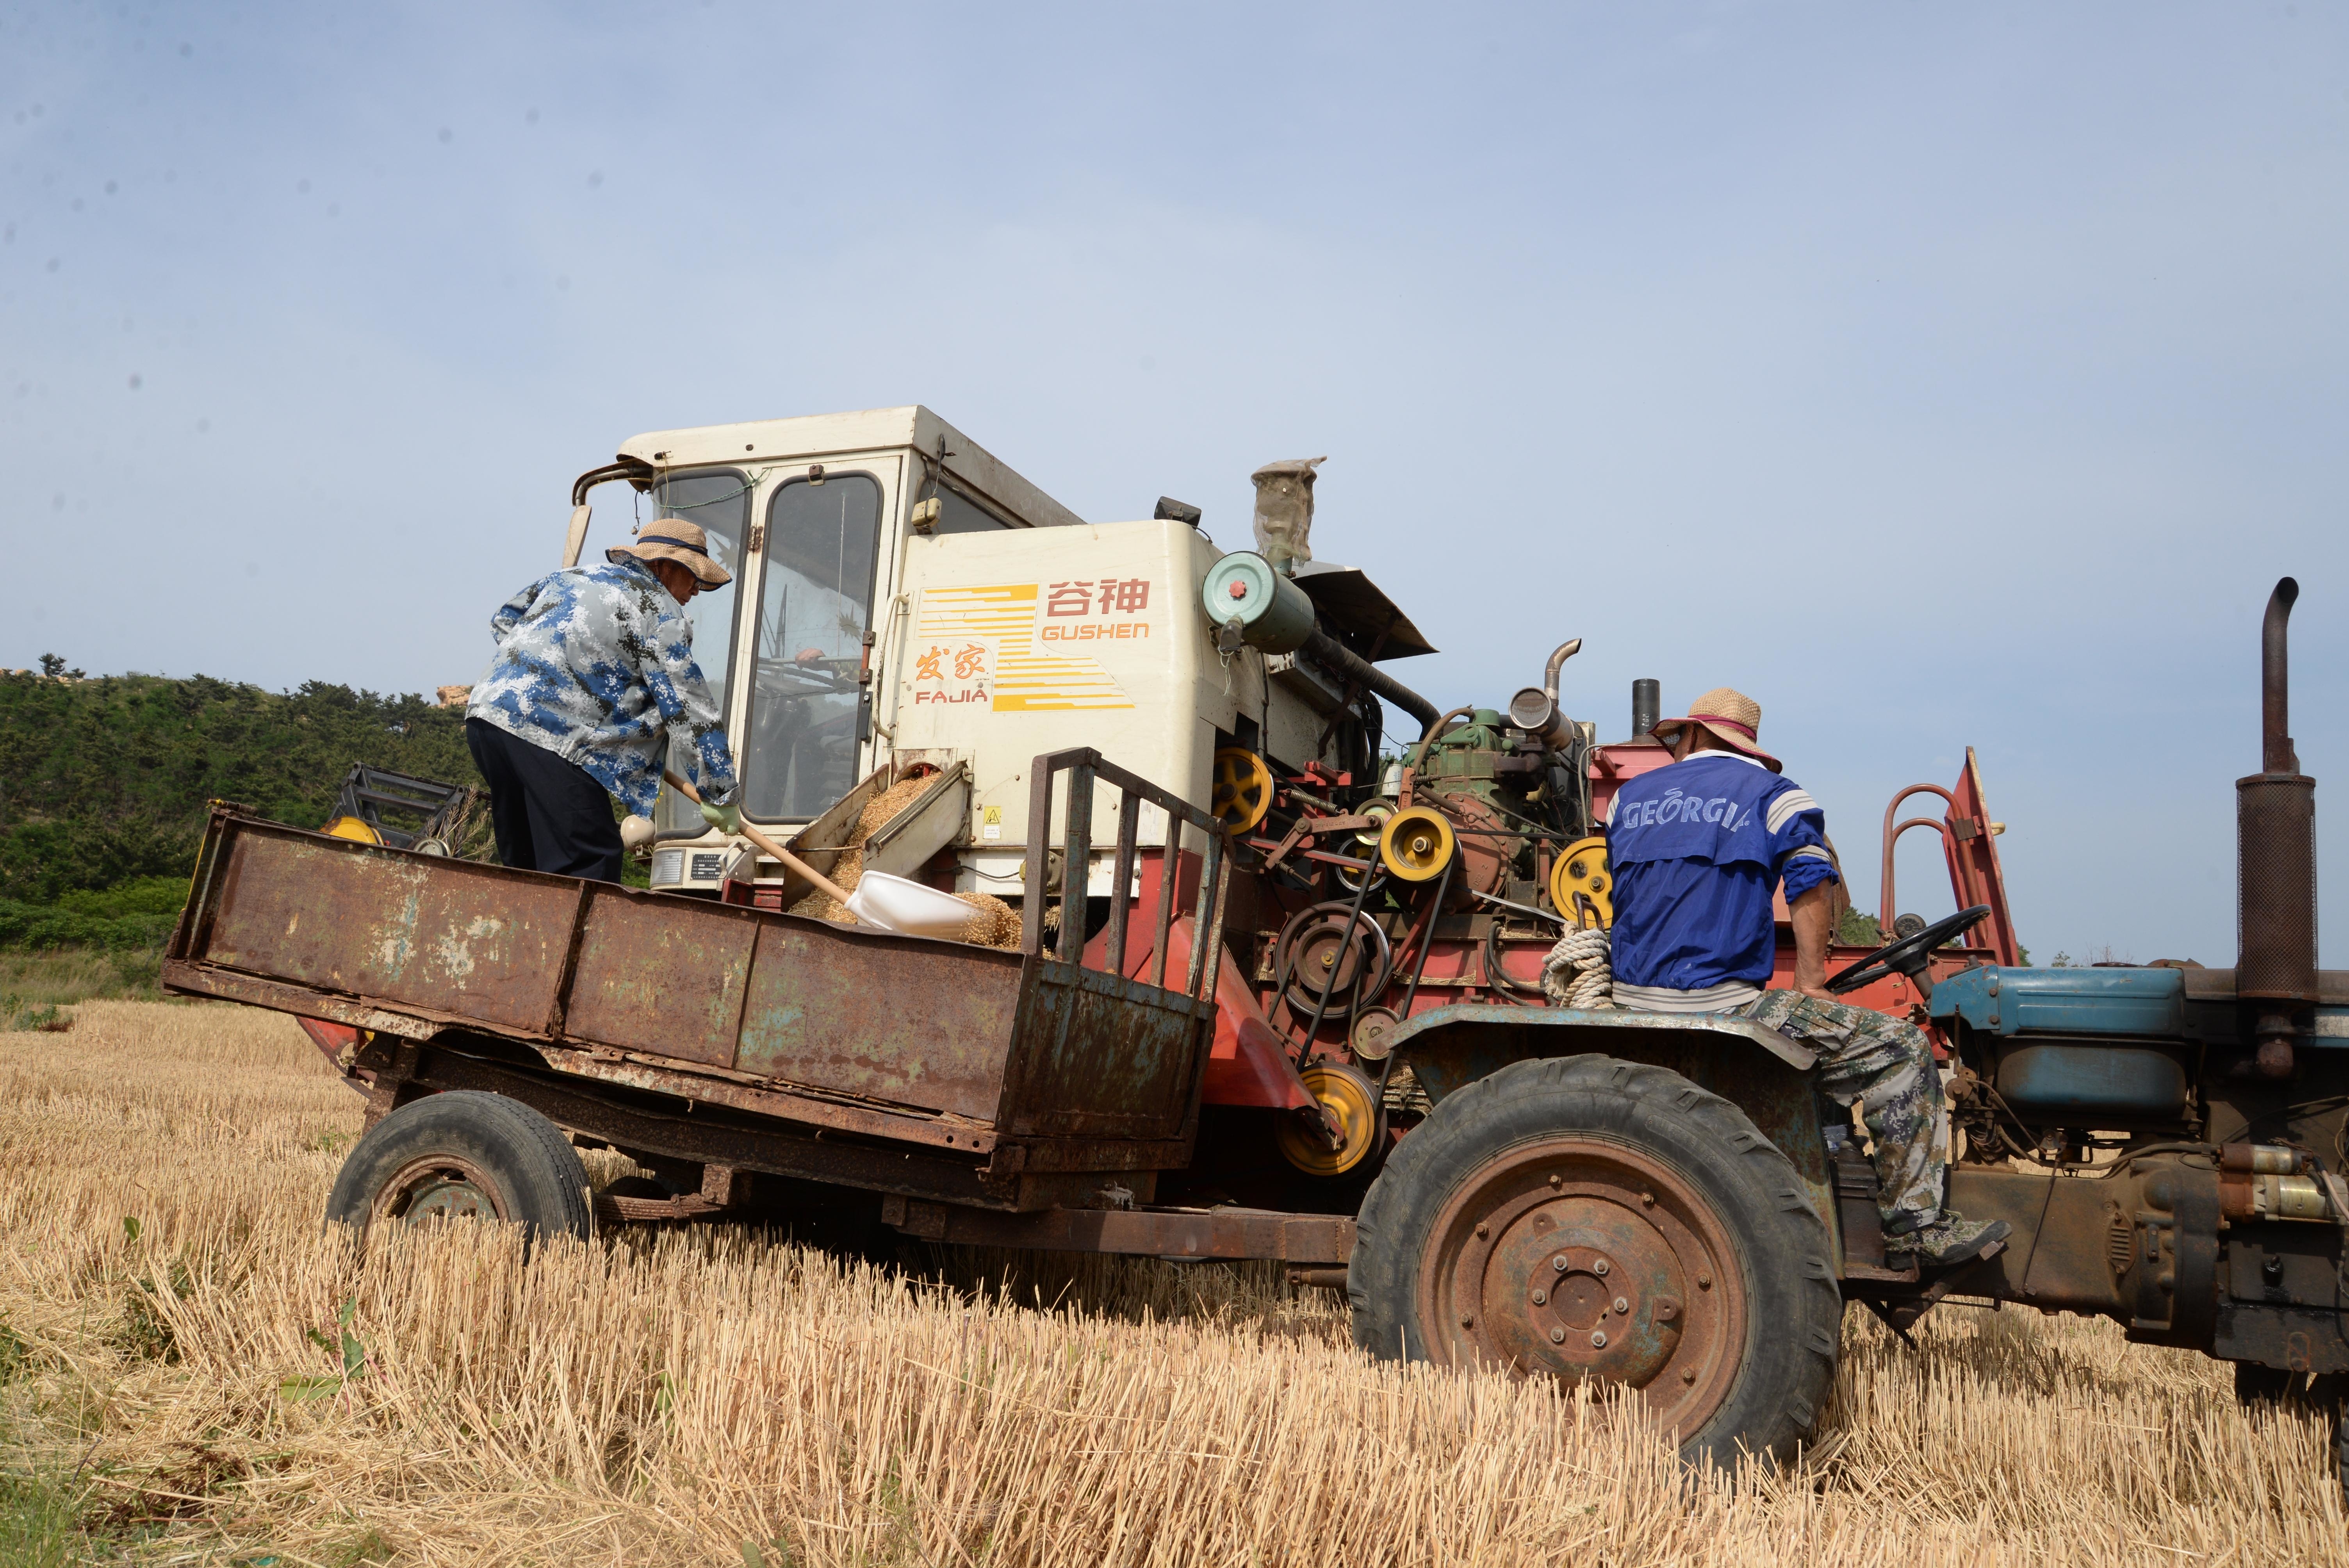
(465, 1155)
(1589, 1218)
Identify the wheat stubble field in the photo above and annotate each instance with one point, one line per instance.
(214, 1382)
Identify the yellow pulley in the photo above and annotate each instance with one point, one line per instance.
(351, 828)
(1351, 1100)
(1581, 867)
(1243, 790)
(1417, 844)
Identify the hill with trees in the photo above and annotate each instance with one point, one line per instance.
(104, 784)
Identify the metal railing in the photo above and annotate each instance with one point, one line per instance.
(1085, 766)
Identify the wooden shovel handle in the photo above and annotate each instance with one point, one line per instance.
(772, 850)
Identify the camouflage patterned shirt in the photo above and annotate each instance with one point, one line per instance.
(595, 665)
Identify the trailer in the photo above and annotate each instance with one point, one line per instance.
(1293, 1006)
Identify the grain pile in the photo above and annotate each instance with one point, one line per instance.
(993, 922)
(707, 1397)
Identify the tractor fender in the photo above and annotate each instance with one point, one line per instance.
(1759, 1070)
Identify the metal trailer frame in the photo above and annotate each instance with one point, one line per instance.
(1024, 1094)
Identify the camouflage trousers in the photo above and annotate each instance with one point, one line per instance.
(1886, 1066)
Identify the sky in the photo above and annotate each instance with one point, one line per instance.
(1938, 376)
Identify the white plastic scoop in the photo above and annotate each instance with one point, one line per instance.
(907, 907)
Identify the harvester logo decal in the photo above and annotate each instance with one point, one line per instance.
(981, 644)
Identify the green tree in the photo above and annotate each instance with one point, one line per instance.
(106, 781)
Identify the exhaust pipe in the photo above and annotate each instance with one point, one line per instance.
(1647, 706)
(1340, 660)
(1535, 708)
(2275, 849)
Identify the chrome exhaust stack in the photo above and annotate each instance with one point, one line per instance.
(1535, 708)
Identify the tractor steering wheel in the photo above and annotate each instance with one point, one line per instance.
(1907, 956)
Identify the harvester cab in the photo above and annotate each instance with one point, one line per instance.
(905, 603)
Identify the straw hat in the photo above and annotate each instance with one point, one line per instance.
(1729, 716)
(673, 539)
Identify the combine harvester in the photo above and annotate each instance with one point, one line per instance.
(1305, 1021)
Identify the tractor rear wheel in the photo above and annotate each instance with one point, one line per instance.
(1584, 1217)
(465, 1155)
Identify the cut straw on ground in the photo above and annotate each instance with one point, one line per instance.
(189, 1357)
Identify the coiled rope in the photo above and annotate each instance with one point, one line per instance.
(1575, 974)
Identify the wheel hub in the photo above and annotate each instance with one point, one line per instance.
(1591, 1294)
(1577, 1258)
(441, 1187)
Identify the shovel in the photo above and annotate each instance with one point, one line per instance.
(774, 850)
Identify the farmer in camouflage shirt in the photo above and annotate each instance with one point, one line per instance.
(593, 677)
(1696, 851)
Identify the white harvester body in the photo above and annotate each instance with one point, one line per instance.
(1001, 626)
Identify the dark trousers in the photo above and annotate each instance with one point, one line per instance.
(549, 815)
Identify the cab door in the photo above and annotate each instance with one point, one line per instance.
(825, 542)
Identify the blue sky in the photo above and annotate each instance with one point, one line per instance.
(1938, 375)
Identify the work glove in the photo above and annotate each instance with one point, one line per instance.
(725, 818)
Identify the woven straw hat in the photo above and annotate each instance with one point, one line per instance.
(673, 539)
(1729, 716)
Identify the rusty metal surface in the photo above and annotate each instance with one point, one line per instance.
(2276, 754)
(2276, 1310)
(1580, 1257)
(894, 1019)
(2275, 814)
(1099, 1055)
(2276, 873)
(1323, 1239)
(1085, 766)
(2144, 1247)
(2218, 986)
(786, 1102)
(2080, 1242)
(442, 935)
(181, 977)
(637, 1211)
(665, 977)
(750, 1145)
(922, 1042)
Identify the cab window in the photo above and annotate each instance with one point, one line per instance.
(719, 500)
(815, 603)
(957, 513)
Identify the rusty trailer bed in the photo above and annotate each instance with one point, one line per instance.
(720, 1033)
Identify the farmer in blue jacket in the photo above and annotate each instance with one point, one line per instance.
(593, 677)
(1696, 850)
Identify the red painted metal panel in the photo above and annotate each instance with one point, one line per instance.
(1249, 1064)
(1977, 864)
